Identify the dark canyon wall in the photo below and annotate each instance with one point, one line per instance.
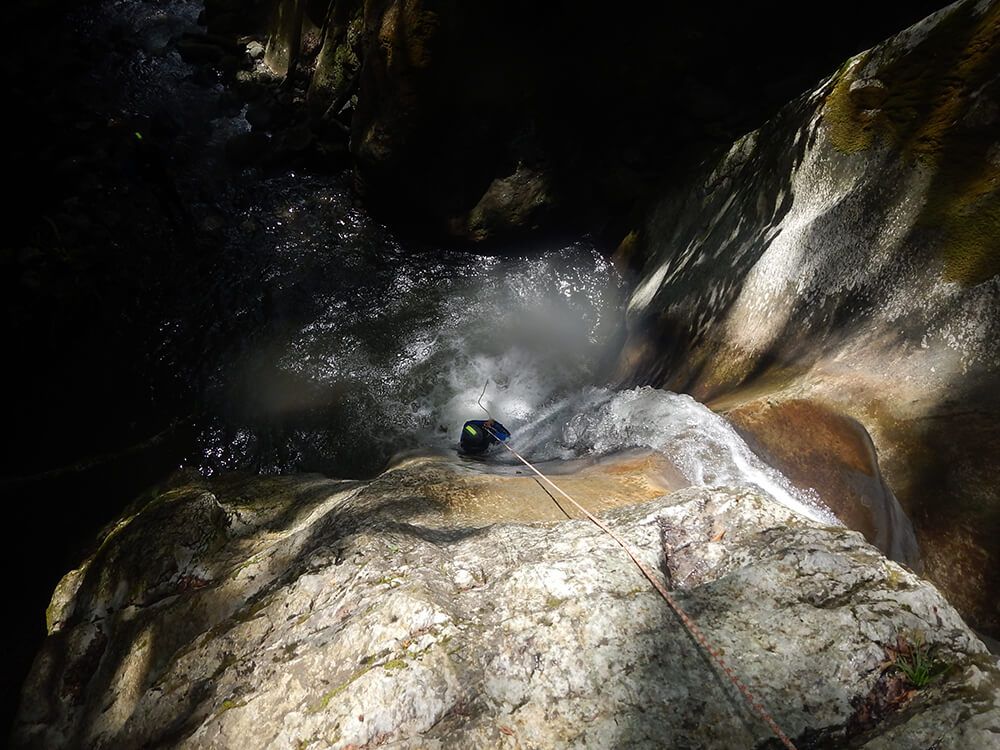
(486, 120)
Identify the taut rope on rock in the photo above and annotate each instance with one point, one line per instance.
(696, 632)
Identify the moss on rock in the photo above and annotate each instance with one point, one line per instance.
(850, 126)
(932, 105)
(339, 60)
(970, 223)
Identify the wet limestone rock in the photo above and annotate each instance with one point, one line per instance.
(837, 460)
(846, 254)
(307, 612)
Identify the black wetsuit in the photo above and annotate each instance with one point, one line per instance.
(476, 437)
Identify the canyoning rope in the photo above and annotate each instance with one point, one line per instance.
(480, 401)
(692, 628)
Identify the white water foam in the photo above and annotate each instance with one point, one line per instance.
(700, 443)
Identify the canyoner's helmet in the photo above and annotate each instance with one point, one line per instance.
(475, 438)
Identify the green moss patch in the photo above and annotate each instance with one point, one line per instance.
(324, 700)
(850, 127)
(228, 705)
(920, 103)
(971, 251)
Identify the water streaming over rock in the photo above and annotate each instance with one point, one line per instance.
(344, 346)
(706, 450)
(325, 343)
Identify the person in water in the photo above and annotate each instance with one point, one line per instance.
(480, 434)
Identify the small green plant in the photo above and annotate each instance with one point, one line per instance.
(915, 659)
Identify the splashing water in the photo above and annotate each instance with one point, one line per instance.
(344, 348)
(701, 444)
(329, 345)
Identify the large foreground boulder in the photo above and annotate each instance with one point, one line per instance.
(839, 269)
(307, 612)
